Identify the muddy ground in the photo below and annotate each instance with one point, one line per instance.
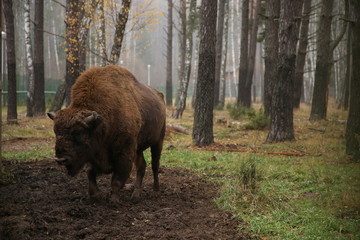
(44, 203)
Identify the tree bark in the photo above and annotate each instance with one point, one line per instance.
(246, 98)
(224, 59)
(243, 68)
(29, 61)
(353, 123)
(72, 27)
(344, 103)
(121, 21)
(183, 85)
(169, 54)
(219, 46)
(271, 51)
(102, 34)
(11, 62)
(59, 98)
(281, 125)
(301, 53)
(182, 52)
(203, 116)
(39, 80)
(324, 62)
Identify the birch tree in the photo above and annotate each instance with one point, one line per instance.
(219, 47)
(185, 76)
(29, 61)
(224, 58)
(121, 20)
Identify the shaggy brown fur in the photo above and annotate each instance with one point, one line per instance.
(111, 120)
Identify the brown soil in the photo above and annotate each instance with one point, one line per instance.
(44, 203)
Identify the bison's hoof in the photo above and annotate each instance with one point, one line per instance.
(156, 187)
(136, 195)
(114, 198)
(98, 196)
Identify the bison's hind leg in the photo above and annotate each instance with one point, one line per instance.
(140, 164)
(155, 162)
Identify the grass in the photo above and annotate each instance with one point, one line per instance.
(315, 196)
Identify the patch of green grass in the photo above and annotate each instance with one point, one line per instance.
(33, 154)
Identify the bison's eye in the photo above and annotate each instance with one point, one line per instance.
(78, 136)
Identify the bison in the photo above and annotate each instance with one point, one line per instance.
(111, 120)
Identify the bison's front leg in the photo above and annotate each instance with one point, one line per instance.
(94, 191)
(122, 168)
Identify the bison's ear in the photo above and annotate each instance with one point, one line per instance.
(51, 115)
(93, 120)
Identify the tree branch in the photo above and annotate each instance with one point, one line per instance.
(62, 5)
(337, 40)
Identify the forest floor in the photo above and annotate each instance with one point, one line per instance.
(238, 188)
(44, 203)
(38, 200)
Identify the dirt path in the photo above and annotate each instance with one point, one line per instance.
(45, 203)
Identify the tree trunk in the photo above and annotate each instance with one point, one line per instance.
(55, 40)
(224, 59)
(353, 123)
(219, 46)
(72, 27)
(11, 62)
(324, 62)
(182, 51)
(102, 34)
(29, 61)
(169, 55)
(203, 115)
(39, 81)
(246, 98)
(301, 53)
(243, 68)
(121, 21)
(183, 85)
(281, 125)
(346, 88)
(271, 51)
(59, 98)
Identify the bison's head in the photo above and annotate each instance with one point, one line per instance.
(75, 131)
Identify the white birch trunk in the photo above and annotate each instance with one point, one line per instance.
(232, 38)
(29, 60)
(55, 42)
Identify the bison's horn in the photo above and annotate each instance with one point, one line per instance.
(93, 120)
(51, 115)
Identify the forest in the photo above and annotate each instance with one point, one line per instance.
(262, 105)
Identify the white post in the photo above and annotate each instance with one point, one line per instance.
(149, 66)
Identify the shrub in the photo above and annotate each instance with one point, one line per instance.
(236, 111)
(258, 121)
